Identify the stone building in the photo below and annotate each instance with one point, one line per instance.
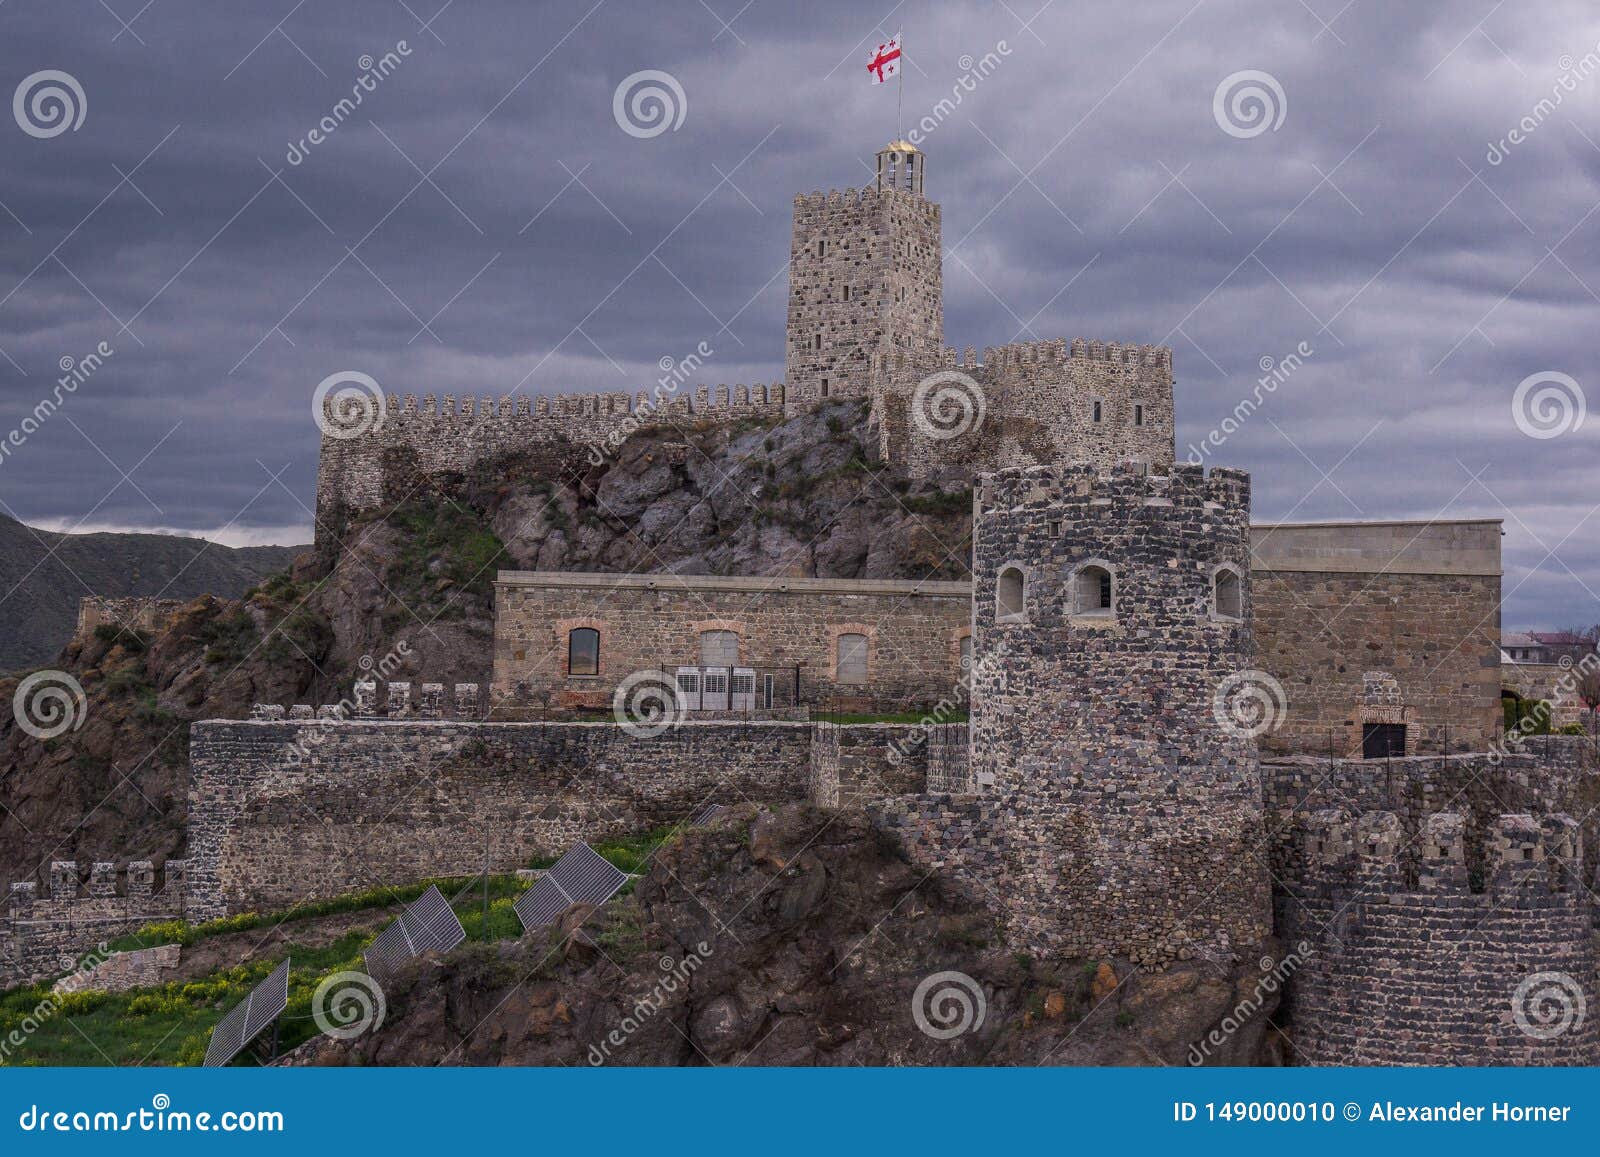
(750, 645)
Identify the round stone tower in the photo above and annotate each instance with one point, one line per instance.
(1114, 712)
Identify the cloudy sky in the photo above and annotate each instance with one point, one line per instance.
(483, 222)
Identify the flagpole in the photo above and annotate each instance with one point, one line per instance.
(900, 93)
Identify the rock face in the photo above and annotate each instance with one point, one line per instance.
(798, 937)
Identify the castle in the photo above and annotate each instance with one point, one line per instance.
(1172, 753)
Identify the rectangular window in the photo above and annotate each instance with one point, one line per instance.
(1138, 415)
(1099, 410)
(852, 659)
(822, 248)
(816, 342)
(719, 649)
(847, 293)
(824, 387)
(1054, 529)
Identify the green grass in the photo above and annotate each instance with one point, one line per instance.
(171, 1023)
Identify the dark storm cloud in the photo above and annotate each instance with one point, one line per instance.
(1087, 191)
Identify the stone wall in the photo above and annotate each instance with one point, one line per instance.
(367, 461)
(785, 627)
(1381, 622)
(287, 810)
(1034, 403)
(852, 765)
(142, 968)
(1132, 818)
(43, 936)
(1423, 964)
(133, 612)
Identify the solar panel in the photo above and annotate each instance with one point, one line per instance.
(249, 1018)
(428, 924)
(582, 876)
(703, 817)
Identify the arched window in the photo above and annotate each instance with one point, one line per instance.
(851, 661)
(1227, 595)
(719, 648)
(1093, 594)
(583, 651)
(1011, 596)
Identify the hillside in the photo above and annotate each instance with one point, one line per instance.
(803, 497)
(43, 575)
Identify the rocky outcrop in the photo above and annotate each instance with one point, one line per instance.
(800, 937)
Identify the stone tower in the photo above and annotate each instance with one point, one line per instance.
(1111, 616)
(865, 278)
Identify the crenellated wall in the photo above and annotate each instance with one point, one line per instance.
(370, 457)
(1413, 960)
(83, 906)
(1033, 403)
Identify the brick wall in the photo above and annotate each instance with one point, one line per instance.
(647, 622)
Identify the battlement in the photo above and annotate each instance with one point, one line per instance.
(866, 197)
(1373, 853)
(82, 905)
(682, 401)
(1085, 487)
(431, 702)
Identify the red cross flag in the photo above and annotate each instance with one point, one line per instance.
(885, 61)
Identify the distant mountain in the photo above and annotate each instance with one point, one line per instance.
(43, 575)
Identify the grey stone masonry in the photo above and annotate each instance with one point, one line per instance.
(1409, 960)
(1131, 815)
(44, 936)
(865, 277)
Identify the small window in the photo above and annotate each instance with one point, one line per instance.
(816, 342)
(847, 293)
(1138, 414)
(1094, 596)
(583, 651)
(822, 248)
(719, 648)
(1099, 411)
(1011, 596)
(1053, 529)
(824, 387)
(1227, 596)
(852, 659)
(966, 653)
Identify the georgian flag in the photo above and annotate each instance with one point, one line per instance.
(885, 61)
